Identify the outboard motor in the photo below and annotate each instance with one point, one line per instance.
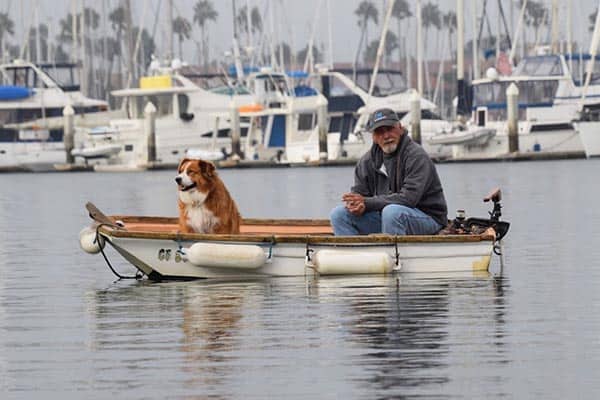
(462, 225)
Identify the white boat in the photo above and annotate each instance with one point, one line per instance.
(550, 99)
(186, 117)
(589, 131)
(350, 105)
(31, 126)
(193, 120)
(288, 248)
(473, 136)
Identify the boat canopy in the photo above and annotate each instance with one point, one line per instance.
(547, 65)
(578, 64)
(387, 82)
(532, 93)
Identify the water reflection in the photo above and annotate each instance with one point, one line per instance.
(408, 328)
(211, 329)
(371, 335)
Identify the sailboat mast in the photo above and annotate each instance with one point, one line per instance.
(554, 26)
(73, 30)
(460, 57)
(474, 41)
(171, 51)
(419, 49)
(386, 23)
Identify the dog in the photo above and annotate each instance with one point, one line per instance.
(205, 205)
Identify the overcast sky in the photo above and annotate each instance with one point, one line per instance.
(293, 21)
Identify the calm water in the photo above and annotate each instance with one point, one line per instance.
(528, 330)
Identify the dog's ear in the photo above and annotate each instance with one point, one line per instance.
(181, 164)
(207, 168)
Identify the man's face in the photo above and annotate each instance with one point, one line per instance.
(388, 137)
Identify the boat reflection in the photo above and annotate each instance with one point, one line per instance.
(407, 328)
(375, 334)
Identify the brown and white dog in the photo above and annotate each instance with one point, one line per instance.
(205, 205)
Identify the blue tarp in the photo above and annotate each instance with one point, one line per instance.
(14, 92)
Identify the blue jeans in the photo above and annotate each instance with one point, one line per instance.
(394, 219)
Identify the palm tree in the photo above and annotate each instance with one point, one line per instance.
(256, 23)
(400, 12)
(183, 29)
(432, 17)
(203, 13)
(42, 31)
(316, 54)
(147, 47)
(536, 15)
(366, 11)
(7, 27)
(391, 44)
(449, 22)
(113, 50)
(117, 22)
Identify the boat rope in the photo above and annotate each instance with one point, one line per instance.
(97, 240)
(497, 249)
(180, 249)
(271, 244)
(397, 252)
(308, 251)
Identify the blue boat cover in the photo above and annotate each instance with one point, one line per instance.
(14, 92)
(304, 91)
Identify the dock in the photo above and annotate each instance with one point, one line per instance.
(517, 156)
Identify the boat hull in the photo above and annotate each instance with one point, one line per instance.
(165, 258)
(590, 137)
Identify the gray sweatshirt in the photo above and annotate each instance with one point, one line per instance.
(414, 181)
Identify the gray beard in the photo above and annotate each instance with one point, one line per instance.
(389, 148)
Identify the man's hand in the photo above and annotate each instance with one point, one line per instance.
(355, 203)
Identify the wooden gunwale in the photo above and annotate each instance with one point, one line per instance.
(325, 238)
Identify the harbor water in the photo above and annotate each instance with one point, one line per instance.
(528, 329)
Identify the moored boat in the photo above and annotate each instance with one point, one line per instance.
(290, 247)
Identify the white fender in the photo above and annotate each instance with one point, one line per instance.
(87, 240)
(226, 255)
(344, 262)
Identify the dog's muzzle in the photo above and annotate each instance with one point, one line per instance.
(179, 182)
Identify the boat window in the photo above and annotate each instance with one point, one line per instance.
(489, 94)
(338, 88)
(23, 76)
(271, 83)
(386, 82)
(537, 93)
(578, 67)
(183, 101)
(335, 124)
(539, 66)
(306, 121)
(65, 76)
(531, 93)
(162, 102)
(7, 117)
(230, 91)
(428, 114)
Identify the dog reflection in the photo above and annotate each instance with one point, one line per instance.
(210, 327)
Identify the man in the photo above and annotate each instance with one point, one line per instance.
(396, 186)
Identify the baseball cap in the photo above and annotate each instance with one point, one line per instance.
(382, 117)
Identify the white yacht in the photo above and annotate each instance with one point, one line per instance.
(32, 99)
(550, 99)
(350, 105)
(193, 121)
